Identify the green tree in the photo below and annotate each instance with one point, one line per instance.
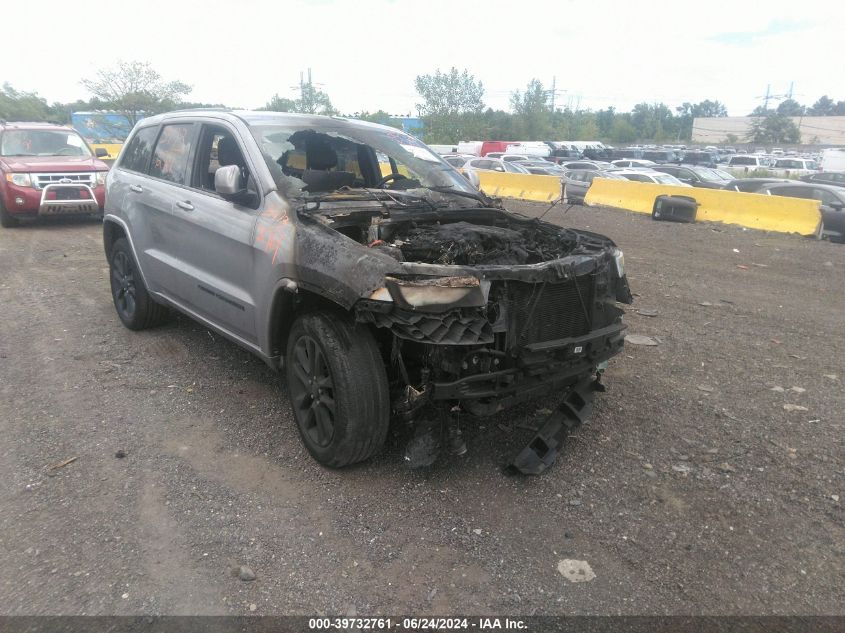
(654, 121)
(622, 131)
(280, 104)
(688, 112)
(451, 106)
(790, 107)
(135, 89)
(532, 112)
(604, 121)
(823, 107)
(774, 128)
(22, 106)
(312, 100)
(497, 125)
(380, 116)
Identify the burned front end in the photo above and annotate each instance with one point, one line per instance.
(491, 310)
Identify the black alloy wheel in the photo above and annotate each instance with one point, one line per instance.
(123, 285)
(312, 391)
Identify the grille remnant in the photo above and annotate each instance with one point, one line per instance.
(547, 312)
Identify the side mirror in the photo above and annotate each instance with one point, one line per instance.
(472, 176)
(229, 184)
(100, 152)
(227, 181)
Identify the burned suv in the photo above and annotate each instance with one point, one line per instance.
(349, 254)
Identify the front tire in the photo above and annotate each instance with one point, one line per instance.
(133, 303)
(338, 390)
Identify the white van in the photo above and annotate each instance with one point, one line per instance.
(530, 148)
(470, 147)
(833, 159)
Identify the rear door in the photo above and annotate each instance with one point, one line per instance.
(129, 198)
(165, 186)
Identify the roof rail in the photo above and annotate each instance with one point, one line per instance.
(200, 108)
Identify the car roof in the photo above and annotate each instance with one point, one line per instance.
(261, 117)
(626, 172)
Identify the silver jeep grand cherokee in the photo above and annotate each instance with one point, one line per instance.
(377, 276)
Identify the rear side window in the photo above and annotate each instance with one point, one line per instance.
(138, 151)
(793, 192)
(825, 197)
(170, 159)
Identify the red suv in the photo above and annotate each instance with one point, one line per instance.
(48, 169)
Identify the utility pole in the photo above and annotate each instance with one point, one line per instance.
(767, 97)
(554, 81)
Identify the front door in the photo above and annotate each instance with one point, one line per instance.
(215, 236)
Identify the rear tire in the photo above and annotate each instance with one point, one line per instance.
(338, 390)
(133, 303)
(7, 220)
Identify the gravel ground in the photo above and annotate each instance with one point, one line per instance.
(692, 490)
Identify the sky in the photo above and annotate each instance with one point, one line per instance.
(366, 53)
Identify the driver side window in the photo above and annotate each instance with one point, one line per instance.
(219, 147)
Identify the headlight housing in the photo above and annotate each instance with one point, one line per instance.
(21, 180)
(100, 178)
(619, 260)
(434, 293)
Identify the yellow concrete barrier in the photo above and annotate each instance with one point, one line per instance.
(521, 186)
(756, 211)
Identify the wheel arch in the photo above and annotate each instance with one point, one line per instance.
(112, 231)
(289, 301)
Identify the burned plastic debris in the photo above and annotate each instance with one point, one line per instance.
(541, 452)
(455, 327)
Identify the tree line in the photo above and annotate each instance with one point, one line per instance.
(451, 106)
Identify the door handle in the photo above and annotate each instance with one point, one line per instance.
(136, 188)
(185, 204)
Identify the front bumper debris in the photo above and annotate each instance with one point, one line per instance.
(570, 358)
(544, 447)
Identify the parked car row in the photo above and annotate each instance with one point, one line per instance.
(578, 176)
(830, 193)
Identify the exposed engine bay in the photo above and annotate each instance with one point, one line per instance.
(471, 244)
(491, 239)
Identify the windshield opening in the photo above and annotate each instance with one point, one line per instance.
(307, 162)
(42, 143)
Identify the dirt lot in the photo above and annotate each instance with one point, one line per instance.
(692, 490)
